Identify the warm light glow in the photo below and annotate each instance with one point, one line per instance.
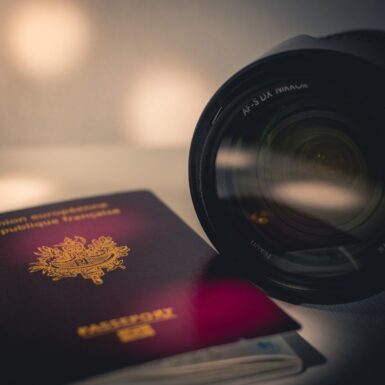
(234, 159)
(163, 105)
(317, 195)
(19, 192)
(46, 38)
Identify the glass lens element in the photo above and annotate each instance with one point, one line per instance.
(305, 185)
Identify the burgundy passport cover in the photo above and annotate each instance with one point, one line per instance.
(94, 285)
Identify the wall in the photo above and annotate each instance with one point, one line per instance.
(94, 71)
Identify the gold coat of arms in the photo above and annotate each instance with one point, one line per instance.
(74, 257)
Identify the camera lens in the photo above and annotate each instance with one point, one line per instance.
(287, 168)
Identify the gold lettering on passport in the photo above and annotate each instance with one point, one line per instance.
(74, 257)
(135, 333)
(128, 328)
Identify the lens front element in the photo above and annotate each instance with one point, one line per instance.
(298, 178)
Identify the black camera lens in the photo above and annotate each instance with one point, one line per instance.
(287, 168)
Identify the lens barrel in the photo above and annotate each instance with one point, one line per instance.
(287, 168)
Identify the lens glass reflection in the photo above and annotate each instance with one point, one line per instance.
(303, 186)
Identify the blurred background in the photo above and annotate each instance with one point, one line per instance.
(140, 72)
(99, 96)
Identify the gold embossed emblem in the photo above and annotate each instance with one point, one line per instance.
(74, 257)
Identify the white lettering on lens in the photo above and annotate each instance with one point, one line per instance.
(266, 95)
(260, 249)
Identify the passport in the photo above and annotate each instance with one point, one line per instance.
(94, 286)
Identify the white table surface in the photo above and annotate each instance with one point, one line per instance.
(341, 333)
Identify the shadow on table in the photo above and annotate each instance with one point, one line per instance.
(309, 355)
